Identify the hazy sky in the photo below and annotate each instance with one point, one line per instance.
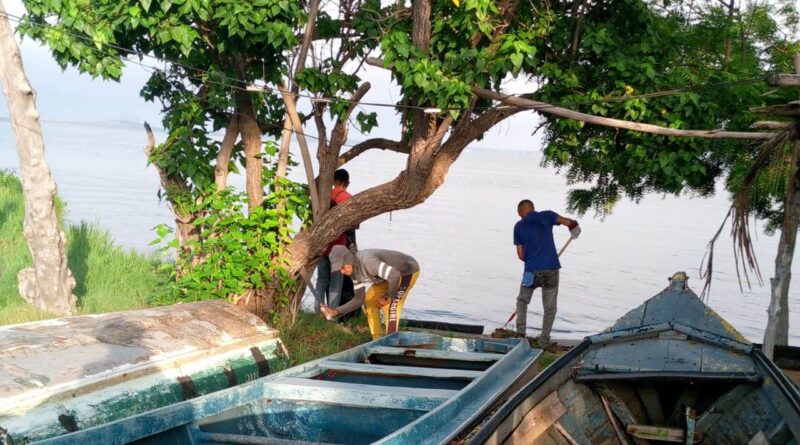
(70, 96)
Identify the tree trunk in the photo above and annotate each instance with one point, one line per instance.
(778, 305)
(251, 139)
(48, 284)
(225, 153)
(174, 184)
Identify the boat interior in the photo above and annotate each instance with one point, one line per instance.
(670, 371)
(406, 388)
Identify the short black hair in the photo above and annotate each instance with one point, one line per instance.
(524, 203)
(341, 175)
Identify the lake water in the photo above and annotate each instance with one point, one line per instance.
(462, 236)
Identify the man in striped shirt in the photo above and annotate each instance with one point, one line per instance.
(392, 275)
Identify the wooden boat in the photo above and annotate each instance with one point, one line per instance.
(671, 370)
(59, 376)
(407, 388)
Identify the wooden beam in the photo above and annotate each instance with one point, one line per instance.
(538, 420)
(770, 125)
(785, 80)
(660, 433)
(790, 109)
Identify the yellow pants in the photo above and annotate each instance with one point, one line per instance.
(391, 312)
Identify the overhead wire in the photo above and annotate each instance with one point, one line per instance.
(243, 85)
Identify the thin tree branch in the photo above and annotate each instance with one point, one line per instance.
(379, 143)
(546, 108)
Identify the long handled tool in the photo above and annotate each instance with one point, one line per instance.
(514, 314)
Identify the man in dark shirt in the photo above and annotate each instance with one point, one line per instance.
(330, 281)
(533, 236)
(391, 275)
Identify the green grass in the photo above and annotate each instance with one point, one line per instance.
(108, 277)
(313, 337)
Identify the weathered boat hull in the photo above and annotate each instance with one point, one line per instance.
(408, 388)
(669, 371)
(60, 376)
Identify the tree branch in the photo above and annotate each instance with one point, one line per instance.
(225, 152)
(546, 108)
(380, 143)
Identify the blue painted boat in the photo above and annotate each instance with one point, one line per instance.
(58, 376)
(669, 371)
(407, 388)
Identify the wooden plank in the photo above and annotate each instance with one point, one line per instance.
(770, 125)
(759, 439)
(652, 405)
(397, 397)
(538, 420)
(446, 327)
(400, 371)
(785, 80)
(790, 109)
(433, 354)
(663, 434)
(565, 434)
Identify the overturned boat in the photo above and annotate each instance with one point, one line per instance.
(669, 371)
(407, 388)
(69, 374)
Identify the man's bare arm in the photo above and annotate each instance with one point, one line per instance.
(570, 223)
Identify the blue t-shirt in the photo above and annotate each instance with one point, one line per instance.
(535, 234)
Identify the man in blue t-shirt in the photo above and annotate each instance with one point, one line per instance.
(533, 236)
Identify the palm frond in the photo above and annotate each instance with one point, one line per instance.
(773, 154)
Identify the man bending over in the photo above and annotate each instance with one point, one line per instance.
(392, 275)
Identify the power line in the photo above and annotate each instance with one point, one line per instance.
(245, 86)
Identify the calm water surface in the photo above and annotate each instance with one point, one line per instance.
(461, 236)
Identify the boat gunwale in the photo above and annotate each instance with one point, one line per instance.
(488, 428)
(651, 330)
(150, 368)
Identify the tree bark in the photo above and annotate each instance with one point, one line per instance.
(782, 327)
(779, 297)
(251, 139)
(361, 147)
(291, 112)
(48, 284)
(225, 153)
(286, 135)
(174, 185)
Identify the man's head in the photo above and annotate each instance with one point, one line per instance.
(524, 207)
(341, 178)
(342, 260)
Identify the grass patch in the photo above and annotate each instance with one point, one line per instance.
(108, 277)
(313, 337)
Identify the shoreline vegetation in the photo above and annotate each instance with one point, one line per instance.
(111, 278)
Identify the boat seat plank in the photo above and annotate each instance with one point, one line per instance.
(434, 354)
(661, 433)
(400, 371)
(241, 439)
(353, 394)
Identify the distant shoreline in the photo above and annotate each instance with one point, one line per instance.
(108, 123)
